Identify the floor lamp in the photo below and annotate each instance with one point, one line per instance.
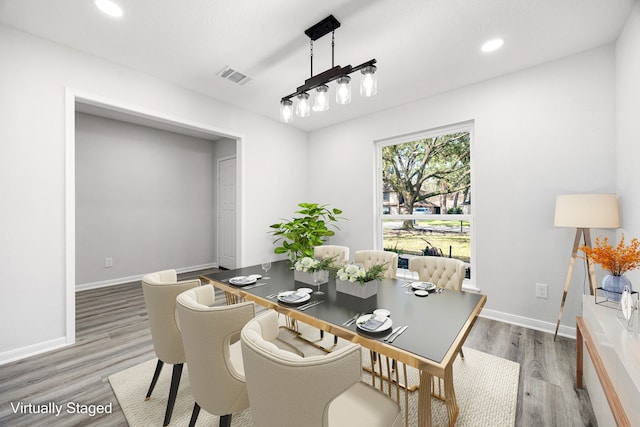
(583, 212)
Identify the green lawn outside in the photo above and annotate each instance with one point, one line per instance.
(441, 234)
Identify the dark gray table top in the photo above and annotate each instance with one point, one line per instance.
(435, 322)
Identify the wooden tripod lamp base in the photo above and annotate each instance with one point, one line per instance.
(580, 233)
(583, 212)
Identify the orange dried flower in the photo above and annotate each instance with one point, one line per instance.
(616, 261)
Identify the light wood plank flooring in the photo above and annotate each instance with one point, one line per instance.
(112, 334)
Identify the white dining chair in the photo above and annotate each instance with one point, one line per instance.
(369, 258)
(160, 290)
(448, 273)
(287, 390)
(339, 253)
(211, 339)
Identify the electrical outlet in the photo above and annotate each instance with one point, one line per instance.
(108, 262)
(542, 290)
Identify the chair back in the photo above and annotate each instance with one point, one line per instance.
(446, 273)
(371, 258)
(339, 253)
(215, 366)
(160, 290)
(288, 390)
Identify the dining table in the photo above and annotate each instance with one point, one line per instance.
(437, 324)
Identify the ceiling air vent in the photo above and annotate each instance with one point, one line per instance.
(235, 76)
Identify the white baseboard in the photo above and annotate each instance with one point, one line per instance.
(32, 350)
(526, 322)
(129, 279)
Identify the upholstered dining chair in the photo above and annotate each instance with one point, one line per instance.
(160, 290)
(211, 339)
(445, 273)
(339, 253)
(370, 258)
(325, 390)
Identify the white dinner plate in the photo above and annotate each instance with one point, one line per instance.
(242, 280)
(255, 276)
(423, 286)
(362, 320)
(282, 297)
(304, 290)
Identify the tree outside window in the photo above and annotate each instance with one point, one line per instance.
(426, 195)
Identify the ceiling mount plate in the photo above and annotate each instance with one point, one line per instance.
(322, 28)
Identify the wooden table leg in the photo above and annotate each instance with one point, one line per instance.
(450, 396)
(424, 400)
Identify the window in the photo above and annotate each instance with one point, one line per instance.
(424, 193)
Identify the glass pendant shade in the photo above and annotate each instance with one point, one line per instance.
(343, 90)
(369, 82)
(303, 108)
(286, 111)
(322, 98)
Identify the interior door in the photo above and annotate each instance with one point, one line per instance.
(227, 213)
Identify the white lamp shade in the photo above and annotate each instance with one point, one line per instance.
(587, 211)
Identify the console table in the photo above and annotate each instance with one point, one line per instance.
(611, 373)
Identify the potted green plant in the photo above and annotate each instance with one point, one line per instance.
(298, 236)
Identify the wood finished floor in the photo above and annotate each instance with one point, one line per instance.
(112, 334)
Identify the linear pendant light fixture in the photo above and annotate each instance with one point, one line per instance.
(319, 83)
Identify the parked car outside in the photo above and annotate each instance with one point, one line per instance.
(422, 211)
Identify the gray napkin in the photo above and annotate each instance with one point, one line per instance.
(372, 324)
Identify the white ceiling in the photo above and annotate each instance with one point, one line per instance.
(423, 47)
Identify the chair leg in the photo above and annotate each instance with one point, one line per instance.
(194, 414)
(156, 374)
(173, 391)
(335, 340)
(461, 354)
(321, 334)
(225, 420)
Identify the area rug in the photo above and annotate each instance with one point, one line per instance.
(486, 388)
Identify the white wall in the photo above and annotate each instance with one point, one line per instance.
(33, 78)
(144, 197)
(627, 137)
(538, 133)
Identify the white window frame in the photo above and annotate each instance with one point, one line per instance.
(468, 126)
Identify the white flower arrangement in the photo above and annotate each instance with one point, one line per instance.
(357, 273)
(306, 264)
(351, 273)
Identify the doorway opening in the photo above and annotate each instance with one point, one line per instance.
(78, 102)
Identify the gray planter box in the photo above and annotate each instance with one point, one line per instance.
(367, 290)
(304, 277)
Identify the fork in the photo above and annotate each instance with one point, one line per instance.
(400, 332)
(309, 305)
(273, 295)
(350, 321)
(392, 332)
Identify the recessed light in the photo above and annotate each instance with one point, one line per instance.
(492, 45)
(109, 7)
